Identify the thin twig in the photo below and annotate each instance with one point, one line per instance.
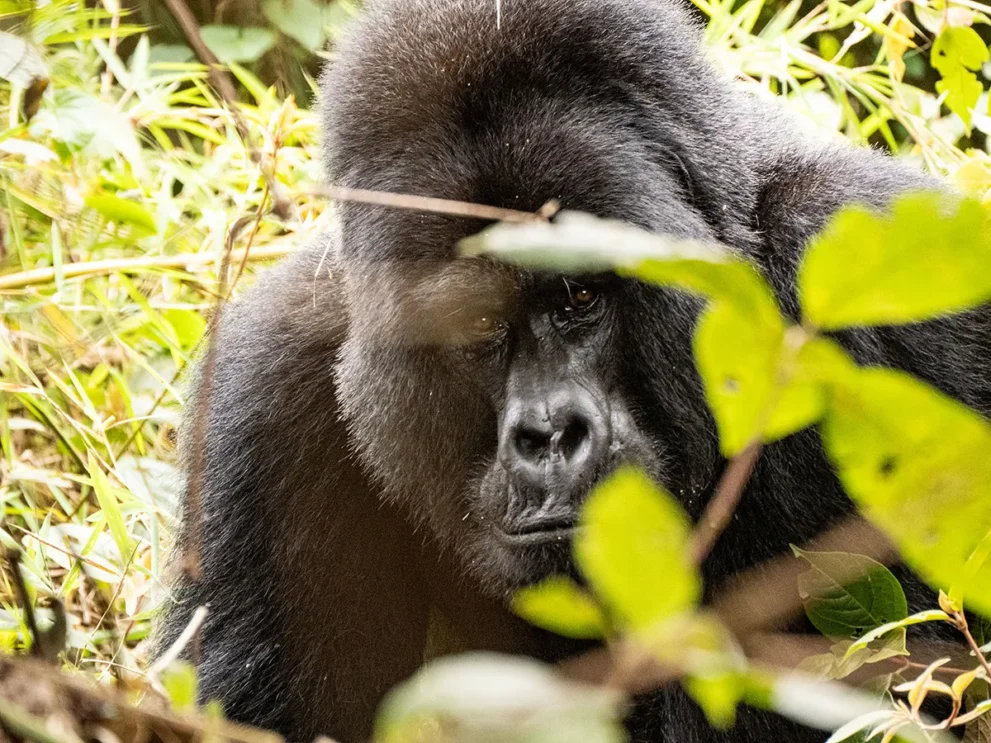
(218, 77)
(433, 205)
(722, 506)
(108, 75)
(175, 649)
(960, 621)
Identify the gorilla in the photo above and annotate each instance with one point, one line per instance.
(395, 437)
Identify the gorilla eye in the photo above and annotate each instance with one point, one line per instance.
(484, 326)
(581, 297)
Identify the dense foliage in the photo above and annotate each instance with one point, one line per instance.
(133, 197)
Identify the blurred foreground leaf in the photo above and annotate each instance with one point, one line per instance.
(928, 258)
(559, 605)
(919, 465)
(633, 548)
(487, 697)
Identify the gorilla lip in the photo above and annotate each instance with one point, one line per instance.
(538, 532)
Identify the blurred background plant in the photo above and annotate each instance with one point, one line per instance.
(131, 196)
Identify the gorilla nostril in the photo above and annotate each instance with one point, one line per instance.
(570, 440)
(539, 447)
(532, 445)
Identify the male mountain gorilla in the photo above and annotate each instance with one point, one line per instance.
(398, 437)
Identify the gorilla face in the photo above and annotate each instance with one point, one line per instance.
(508, 395)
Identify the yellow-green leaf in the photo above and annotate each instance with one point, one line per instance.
(928, 258)
(122, 211)
(919, 465)
(110, 508)
(633, 547)
(559, 605)
(957, 55)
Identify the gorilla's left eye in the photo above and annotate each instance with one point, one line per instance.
(484, 326)
(581, 297)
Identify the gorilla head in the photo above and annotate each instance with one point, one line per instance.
(491, 398)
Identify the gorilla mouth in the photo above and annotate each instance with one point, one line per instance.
(539, 530)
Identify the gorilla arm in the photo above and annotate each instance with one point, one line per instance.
(316, 603)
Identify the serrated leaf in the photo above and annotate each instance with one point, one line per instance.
(238, 43)
(918, 463)
(846, 595)
(122, 211)
(928, 258)
(559, 605)
(957, 54)
(633, 548)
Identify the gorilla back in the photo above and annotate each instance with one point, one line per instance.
(397, 436)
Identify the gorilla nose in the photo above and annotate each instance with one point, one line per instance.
(554, 444)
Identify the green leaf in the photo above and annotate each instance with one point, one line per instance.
(839, 662)
(846, 595)
(110, 507)
(957, 54)
(237, 43)
(749, 392)
(918, 463)
(930, 615)
(122, 211)
(189, 326)
(926, 259)
(633, 548)
(303, 20)
(559, 605)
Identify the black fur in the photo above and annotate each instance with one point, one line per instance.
(351, 481)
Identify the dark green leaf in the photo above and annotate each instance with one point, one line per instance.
(846, 595)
